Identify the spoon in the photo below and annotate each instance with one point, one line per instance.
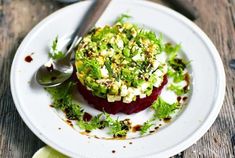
(55, 72)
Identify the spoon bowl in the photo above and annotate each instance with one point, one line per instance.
(52, 74)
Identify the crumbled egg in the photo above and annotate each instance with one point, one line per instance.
(138, 57)
(87, 39)
(158, 82)
(104, 72)
(164, 69)
(111, 52)
(127, 25)
(133, 32)
(128, 98)
(158, 73)
(156, 64)
(124, 91)
(161, 57)
(136, 91)
(144, 86)
(142, 95)
(104, 53)
(120, 43)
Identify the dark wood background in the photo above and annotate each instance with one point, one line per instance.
(17, 17)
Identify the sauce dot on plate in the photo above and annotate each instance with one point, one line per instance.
(87, 117)
(136, 128)
(28, 58)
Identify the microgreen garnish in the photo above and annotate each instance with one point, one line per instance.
(116, 128)
(94, 123)
(179, 90)
(55, 53)
(145, 127)
(91, 67)
(122, 18)
(163, 109)
(107, 64)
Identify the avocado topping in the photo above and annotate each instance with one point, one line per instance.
(120, 62)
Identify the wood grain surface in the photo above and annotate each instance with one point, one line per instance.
(17, 17)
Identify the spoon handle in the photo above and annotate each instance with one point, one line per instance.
(92, 16)
(89, 21)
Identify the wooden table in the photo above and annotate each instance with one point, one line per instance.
(17, 17)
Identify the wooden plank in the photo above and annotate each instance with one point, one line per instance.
(16, 19)
(217, 21)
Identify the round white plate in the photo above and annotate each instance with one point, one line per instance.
(208, 84)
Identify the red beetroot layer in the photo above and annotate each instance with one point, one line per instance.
(118, 106)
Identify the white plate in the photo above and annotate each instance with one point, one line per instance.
(204, 105)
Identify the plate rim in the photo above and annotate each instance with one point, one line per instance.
(199, 132)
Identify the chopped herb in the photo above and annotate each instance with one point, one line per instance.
(91, 67)
(127, 75)
(178, 76)
(108, 67)
(54, 44)
(177, 89)
(172, 50)
(74, 111)
(163, 109)
(55, 53)
(60, 94)
(178, 64)
(62, 99)
(116, 128)
(145, 127)
(94, 123)
(100, 34)
(122, 18)
(146, 34)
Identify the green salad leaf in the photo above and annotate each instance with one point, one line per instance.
(163, 109)
(179, 90)
(91, 67)
(94, 123)
(116, 128)
(122, 18)
(62, 99)
(172, 50)
(56, 54)
(145, 127)
(177, 76)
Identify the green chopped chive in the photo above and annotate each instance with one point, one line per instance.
(163, 109)
(108, 67)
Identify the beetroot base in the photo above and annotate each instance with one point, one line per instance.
(118, 106)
